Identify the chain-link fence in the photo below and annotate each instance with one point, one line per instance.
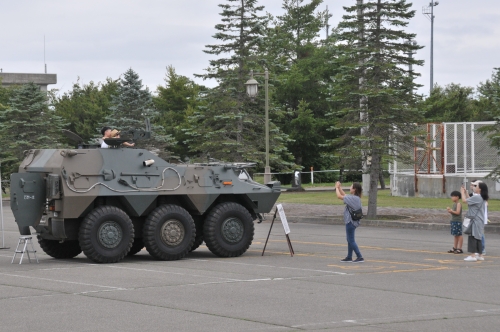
(448, 148)
(468, 151)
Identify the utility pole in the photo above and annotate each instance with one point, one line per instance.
(363, 101)
(252, 87)
(1, 211)
(429, 13)
(44, 62)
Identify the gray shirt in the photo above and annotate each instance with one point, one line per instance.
(476, 211)
(355, 203)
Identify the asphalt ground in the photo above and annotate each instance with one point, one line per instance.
(408, 283)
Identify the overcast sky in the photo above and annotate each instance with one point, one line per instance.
(92, 40)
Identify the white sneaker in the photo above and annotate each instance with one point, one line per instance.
(479, 258)
(470, 259)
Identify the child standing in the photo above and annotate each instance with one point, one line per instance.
(456, 223)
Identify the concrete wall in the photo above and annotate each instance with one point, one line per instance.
(432, 185)
(20, 78)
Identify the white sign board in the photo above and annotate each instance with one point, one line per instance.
(283, 218)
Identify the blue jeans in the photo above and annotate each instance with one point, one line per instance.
(351, 243)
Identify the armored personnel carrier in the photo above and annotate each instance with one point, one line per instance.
(113, 202)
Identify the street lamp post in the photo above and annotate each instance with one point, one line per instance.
(251, 86)
(1, 210)
(429, 12)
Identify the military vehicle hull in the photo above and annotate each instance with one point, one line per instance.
(110, 203)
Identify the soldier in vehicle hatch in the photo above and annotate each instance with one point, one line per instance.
(106, 133)
(116, 134)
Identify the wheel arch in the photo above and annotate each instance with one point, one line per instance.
(241, 199)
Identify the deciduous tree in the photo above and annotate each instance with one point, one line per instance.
(299, 59)
(489, 96)
(451, 103)
(85, 107)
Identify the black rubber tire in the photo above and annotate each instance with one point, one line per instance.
(198, 240)
(215, 240)
(182, 232)
(136, 246)
(94, 247)
(53, 248)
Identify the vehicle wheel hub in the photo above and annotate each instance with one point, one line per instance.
(110, 234)
(172, 232)
(232, 230)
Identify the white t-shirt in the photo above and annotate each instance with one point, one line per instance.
(486, 213)
(104, 145)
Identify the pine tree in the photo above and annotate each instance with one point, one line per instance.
(240, 34)
(295, 34)
(4, 96)
(373, 95)
(131, 106)
(229, 126)
(27, 123)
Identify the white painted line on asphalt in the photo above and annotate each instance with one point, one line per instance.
(61, 281)
(269, 266)
(248, 280)
(31, 297)
(49, 269)
(312, 324)
(487, 310)
(274, 327)
(166, 272)
(234, 281)
(102, 291)
(62, 268)
(397, 319)
(224, 280)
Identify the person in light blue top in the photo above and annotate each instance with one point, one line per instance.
(354, 202)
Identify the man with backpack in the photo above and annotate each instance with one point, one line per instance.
(352, 217)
